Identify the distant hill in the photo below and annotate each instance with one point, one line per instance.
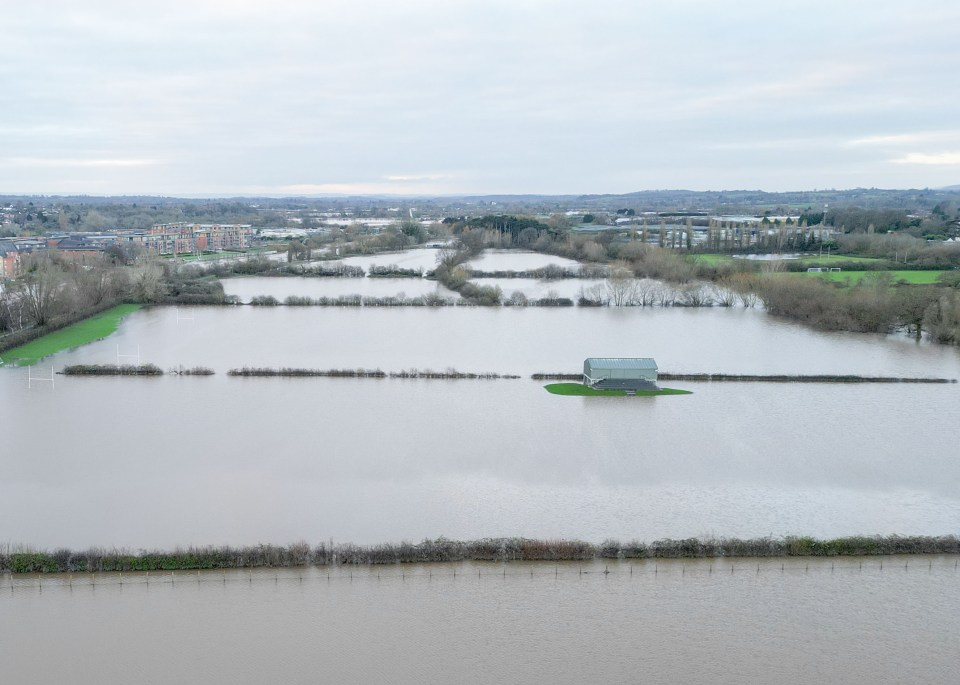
(956, 187)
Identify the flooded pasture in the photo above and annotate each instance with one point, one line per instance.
(147, 463)
(695, 622)
(240, 460)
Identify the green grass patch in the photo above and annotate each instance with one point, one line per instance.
(83, 332)
(854, 277)
(580, 390)
(712, 259)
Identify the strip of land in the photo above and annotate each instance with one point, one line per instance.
(578, 389)
(443, 550)
(754, 378)
(89, 330)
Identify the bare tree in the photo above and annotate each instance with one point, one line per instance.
(96, 282)
(11, 310)
(696, 295)
(646, 292)
(147, 282)
(621, 288)
(41, 288)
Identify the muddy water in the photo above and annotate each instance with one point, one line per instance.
(216, 460)
(697, 622)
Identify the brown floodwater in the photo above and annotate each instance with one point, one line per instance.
(144, 463)
(747, 621)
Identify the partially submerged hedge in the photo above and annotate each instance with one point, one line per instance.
(444, 550)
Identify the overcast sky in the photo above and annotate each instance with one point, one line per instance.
(443, 96)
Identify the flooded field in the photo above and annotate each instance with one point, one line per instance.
(241, 460)
(711, 622)
(147, 463)
(282, 287)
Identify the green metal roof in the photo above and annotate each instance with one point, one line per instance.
(638, 363)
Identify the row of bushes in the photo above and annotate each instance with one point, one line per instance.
(132, 370)
(444, 550)
(364, 373)
(112, 370)
(428, 300)
(551, 272)
(793, 378)
(770, 378)
(484, 298)
(393, 271)
(261, 266)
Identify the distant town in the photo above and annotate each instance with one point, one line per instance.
(84, 226)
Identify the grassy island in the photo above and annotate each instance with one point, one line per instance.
(581, 390)
(95, 328)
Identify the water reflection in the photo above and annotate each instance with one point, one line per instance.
(175, 461)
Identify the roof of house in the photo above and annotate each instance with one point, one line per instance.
(638, 363)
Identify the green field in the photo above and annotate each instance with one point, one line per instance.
(854, 277)
(577, 389)
(86, 331)
(712, 259)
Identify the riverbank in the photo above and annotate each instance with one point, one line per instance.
(89, 330)
(443, 550)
